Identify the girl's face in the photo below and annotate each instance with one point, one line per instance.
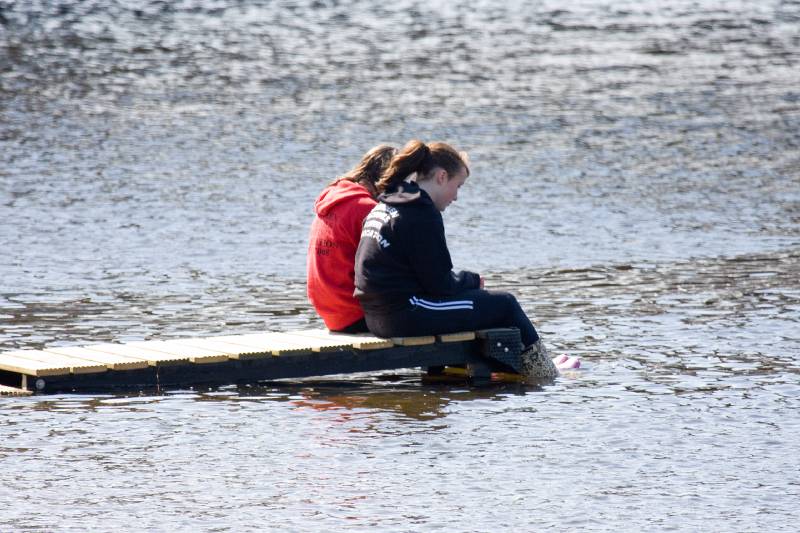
(446, 187)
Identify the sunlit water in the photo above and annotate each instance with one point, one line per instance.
(635, 181)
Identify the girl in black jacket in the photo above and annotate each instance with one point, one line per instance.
(404, 277)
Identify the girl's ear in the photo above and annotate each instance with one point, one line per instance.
(441, 176)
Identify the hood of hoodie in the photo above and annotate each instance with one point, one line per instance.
(405, 193)
(342, 191)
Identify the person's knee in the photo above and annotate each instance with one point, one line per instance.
(508, 301)
(503, 306)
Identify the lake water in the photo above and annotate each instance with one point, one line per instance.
(635, 181)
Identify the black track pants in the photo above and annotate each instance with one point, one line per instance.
(359, 326)
(467, 311)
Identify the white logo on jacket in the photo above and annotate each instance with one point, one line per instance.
(380, 215)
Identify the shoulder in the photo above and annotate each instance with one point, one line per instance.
(362, 206)
(366, 201)
(359, 202)
(416, 220)
(426, 213)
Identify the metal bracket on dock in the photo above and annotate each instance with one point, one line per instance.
(503, 346)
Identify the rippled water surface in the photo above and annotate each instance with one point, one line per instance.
(635, 180)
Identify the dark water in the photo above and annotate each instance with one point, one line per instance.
(635, 180)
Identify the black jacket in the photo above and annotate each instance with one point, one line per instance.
(403, 253)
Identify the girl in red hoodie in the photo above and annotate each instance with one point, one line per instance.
(335, 232)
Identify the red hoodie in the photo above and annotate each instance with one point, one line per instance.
(332, 245)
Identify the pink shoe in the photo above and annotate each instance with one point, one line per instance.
(563, 362)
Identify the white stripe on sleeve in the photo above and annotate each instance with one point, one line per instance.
(441, 306)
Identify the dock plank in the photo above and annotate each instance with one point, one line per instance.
(247, 349)
(112, 361)
(174, 348)
(30, 367)
(232, 351)
(456, 337)
(322, 342)
(359, 341)
(75, 366)
(414, 341)
(273, 343)
(202, 355)
(152, 357)
(287, 342)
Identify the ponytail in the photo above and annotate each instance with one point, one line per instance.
(419, 158)
(408, 161)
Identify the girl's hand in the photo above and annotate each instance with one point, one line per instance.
(481, 284)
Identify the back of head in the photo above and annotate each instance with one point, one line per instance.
(371, 166)
(422, 159)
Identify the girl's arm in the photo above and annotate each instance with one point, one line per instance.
(431, 261)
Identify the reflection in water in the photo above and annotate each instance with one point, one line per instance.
(405, 397)
(412, 404)
(635, 182)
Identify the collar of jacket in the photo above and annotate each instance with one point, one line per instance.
(405, 192)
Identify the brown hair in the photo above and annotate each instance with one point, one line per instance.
(420, 158)
(371, 165)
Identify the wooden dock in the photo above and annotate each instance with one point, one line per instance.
(250, 358)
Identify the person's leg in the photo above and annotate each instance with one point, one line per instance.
(359, 326)
(467, 311)
(478, 309)
(536, 362)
